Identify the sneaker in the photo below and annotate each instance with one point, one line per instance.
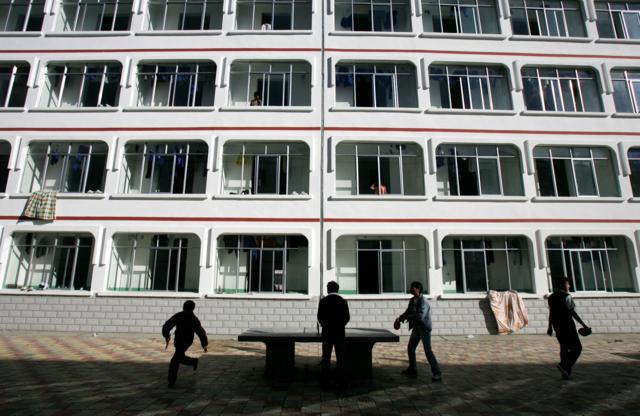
(410, 372)
(565, 374)
(195, 365)
(436, 378)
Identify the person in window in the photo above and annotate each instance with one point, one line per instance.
(378, 189)
(418, 314)
(333, 315)
(257, 99)
(186, 323)
(562, 312)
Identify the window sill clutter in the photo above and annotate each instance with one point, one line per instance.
(46, 292)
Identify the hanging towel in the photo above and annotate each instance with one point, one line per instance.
(509, 311)
(41, 205)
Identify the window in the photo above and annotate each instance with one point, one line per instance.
(634, 164)
(164, 167)
(273, 15)
(82, 85)
(5, 152)
(265, 168)
(176, 84)
(379, 168)
(276, 84)
(373, 15)
(618, 19)
(49, 261)
(21, 15)
(626, 90)
(590, 263)
(469, 87)
(155, 262)
(380, 264)
(376, 85)
(480, 264)
(561, 89)
(65, 167)
(460, 16)
(478, 170)
(13, 84)
(262, 263)
(184, 15)
(94, 15)
(575, 171)
(558, 18)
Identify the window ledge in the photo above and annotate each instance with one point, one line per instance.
(372, 33)
(269, 32)
(89, 33)
(64, 195)
(480, 295)
(619, 41)
(265, 296)
(12, 110)
(378, 198)
(564, 113)
(270, 109)
(169, 109)
(3, 195)
(376, 109)
(47, 292)
(264, 197)
(595, 294)
(161, 196)
(20, 34)
(626, 115)
(578, 199)
(446, 35)
(179, 33)
(480, 112)
(148, 294)
(480, 198)
(75, 110)
(383, 296)
(634, 199)
(551, 38)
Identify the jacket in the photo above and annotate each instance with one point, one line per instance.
(186, 324)
(418, 313)
(333, 315)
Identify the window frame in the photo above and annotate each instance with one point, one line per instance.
(266, 78)
(55, 88)
(545, 9)
(634, 170)
(270, 27)
(612, 21)
(83, 7)
(194, 75)
(32, 7)
(186, 3)
(391, 5)
(457, 6)
(557, 89)
(632, 86)
(5, 154)
(17, 72)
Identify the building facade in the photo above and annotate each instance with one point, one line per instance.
(246, 152)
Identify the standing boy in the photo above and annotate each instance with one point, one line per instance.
(333, 315)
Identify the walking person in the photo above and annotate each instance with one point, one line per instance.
(186, 323)
(418, 314)
(333, 315)
(562, 312)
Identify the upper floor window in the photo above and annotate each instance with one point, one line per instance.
(21, 15)
(274, 84)
(13, 84)
(265, 168)
(480, 264)
(591, 263)
(184, 84)
(82, 85)
(155, 262)
(94, 15)
(559, 18)
(460, 16)
(273, 15)
(469, 87)
(626, 90)
(5, 152)
(65, 167)
(634, 164)
(373, 15)
(184, 15)
(380, 264)
(618, 19)
(478, 170)
(262, 263)
(49, 261)
(376, 85)
(379, 169)
(164, 167)
(561, 89)
(575, 171)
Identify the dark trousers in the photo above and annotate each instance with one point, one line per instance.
(570, 349)
(178, 358)
(328, 344)
(420, 334)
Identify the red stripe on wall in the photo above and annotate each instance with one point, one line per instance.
(186, 128)
(164, 219)
(493, 131)
(160, 50)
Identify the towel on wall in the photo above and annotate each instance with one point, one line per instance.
(509, 310)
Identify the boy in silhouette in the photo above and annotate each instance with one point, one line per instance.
(186, 324)
(333, 315)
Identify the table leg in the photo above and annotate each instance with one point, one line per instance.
(359, 359)
(280, 359)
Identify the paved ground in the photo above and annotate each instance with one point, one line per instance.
(59, 374)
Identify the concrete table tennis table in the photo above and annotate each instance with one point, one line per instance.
(280, 343)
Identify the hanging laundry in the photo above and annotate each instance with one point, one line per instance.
(41, 205)
(509, 310)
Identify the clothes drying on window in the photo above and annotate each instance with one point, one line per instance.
(41, 205)
(509, 311)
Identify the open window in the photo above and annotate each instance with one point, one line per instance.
(94, 15)
(273, 15)
(460, 16)
(557, 18)
(183, 84)
(184, 15)
(13, 84)
(561, 89)
(49, 261)
(262, 263)
(21, 15)
(82, 85)
(272, 84)
(373, 15)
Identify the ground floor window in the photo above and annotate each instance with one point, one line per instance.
(480, 264)
(591, 263)
(155, 262)
(380, 264)
(262, 263)
(49, 261)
